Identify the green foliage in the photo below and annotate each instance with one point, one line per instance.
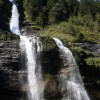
(59, 31)
(79, 37)
(28, 6)
(48, 43)
(5, 9)
(51, 3)
(45, 12)
(85, 7)
(1, 2)
(42, 19)
(8, 36)
(93, 61)
(71, 30)
(73, 6)
(96, 27)
(58, 12)
(98, 18)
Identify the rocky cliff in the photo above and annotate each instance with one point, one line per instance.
(12, 71)
(9, 67)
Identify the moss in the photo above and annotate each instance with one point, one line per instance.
(93, 61)
(47, 76)
(71, 33)
(48, 43)
(8, 36)
(57, 31)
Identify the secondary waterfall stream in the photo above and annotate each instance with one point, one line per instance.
(72, 82)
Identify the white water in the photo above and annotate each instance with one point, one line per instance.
(14, 21)
(33, 47)
(71, 82)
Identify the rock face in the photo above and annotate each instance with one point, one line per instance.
(9, 69)
(93, 47)
(51, 66)
(9, 60)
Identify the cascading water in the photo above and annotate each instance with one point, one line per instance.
(32, 49)
(72, 82)
(32, 46)
(14, 21)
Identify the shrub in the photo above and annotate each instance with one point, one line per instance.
(79, 37)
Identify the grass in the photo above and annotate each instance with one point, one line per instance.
(93, 61)
(68, 32)
(57, 31)
(8, 36)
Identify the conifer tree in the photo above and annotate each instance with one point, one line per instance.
(28, 9)
(73, 6)
(84, 7)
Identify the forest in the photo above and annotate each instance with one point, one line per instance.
(48, 12)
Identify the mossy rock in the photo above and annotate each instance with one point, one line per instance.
(48, 43)
(93, 61)
(8, 36)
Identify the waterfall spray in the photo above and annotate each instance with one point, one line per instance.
(71, 82)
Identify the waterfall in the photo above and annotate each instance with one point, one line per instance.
(33, 48)
(14, 21)
(71, 81)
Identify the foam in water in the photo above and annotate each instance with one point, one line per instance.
(32, 49)
(14, 21)
(71, 82)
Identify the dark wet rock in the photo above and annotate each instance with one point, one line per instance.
(51, 91)
(93, 47)
(9, 70)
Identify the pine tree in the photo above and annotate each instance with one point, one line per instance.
(84, 7)
(28, 9)
(73, 6)
(1, 1)
(5, 11)
(58, 11)
(51, 3)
